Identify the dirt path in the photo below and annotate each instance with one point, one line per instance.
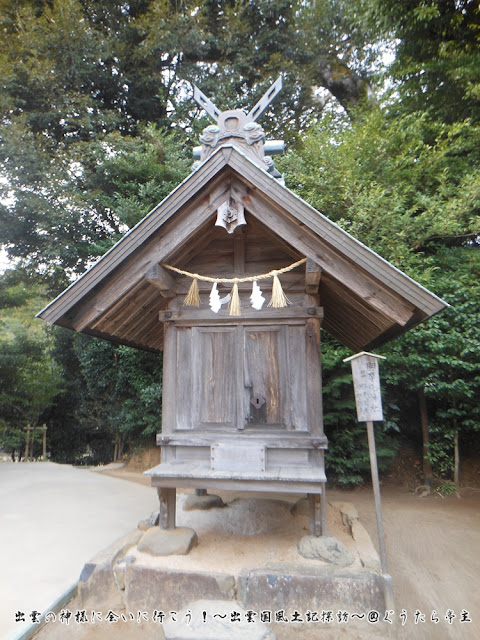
(433, 548)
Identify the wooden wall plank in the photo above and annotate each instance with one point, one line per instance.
(298, 379)
(214, 376)
(169, 383)
(271, 438)
(181, 369)
(314, 377)
(194, 316)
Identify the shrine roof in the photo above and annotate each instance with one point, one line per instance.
(367, 301)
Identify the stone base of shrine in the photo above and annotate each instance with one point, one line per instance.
(247, 556)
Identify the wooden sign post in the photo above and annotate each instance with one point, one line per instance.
(366, 384)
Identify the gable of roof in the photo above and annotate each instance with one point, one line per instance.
(367, 301)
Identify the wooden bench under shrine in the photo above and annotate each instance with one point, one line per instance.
(251, 466)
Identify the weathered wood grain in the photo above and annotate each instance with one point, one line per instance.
(279, 439)
(317, 527)
(364, 257)
(358, 281)
(384, 292)
(191, 192)
(313, 273)
(297, 380)
(279, 479)
(195, 316)
(181, 370)
(167, 500)
(314, 377)
(213, 376)
(237, 457)
(160, 278)
(169, 384)
(267, 374)
(153, 250)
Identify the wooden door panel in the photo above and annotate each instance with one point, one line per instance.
(214, 376)
(266, 374)
(297, 379)
(246, 375)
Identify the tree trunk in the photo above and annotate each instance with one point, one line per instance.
(427, 467)
(346, 85)
(27, 444)
(32, 444)
(121, 445)
(456, 469)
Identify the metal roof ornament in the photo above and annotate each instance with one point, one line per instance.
(237, 126)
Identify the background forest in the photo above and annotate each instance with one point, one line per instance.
(380, 112)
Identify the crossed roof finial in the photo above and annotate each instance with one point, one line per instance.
(241, 129)
(257, 110)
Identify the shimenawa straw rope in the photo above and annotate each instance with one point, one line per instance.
(278, 300)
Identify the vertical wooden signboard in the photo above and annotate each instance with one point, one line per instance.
(366, 385)
(368, 399)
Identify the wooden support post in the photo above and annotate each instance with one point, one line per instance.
(426, 465)
(32, 443)
(323, 511)
(168, 500)
(388, 588)
(115, 449)
(239, 252)
(317, 524)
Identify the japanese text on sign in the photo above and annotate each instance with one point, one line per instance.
(366, 383)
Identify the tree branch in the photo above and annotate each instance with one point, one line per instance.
(346, 85)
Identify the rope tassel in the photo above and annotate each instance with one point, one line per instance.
(192, 299)
(234, 308)
(279, 299)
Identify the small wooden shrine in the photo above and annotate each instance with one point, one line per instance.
(233, 276)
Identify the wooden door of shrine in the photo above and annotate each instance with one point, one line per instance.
(256, 374)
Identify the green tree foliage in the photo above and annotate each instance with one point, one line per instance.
(436, 66)
(82, 81)
(122, 392)
(90, 393)
(409, 187)
(30, 378)
(348, 458)
(404, 185)
(96, 125)
(442, 359)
